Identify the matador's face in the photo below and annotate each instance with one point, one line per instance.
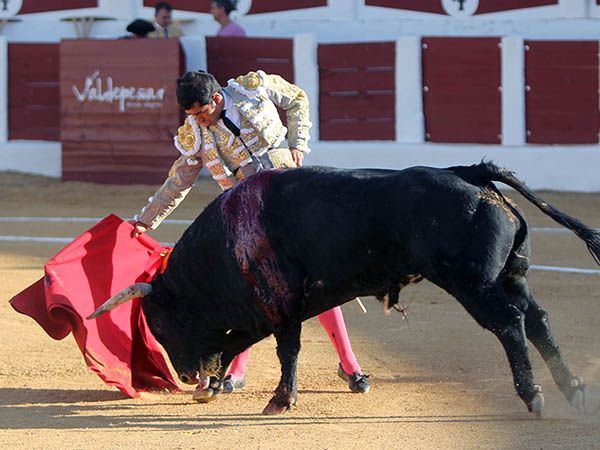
(208, 114)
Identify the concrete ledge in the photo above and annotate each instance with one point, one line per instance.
(37, 157)
(560, 167)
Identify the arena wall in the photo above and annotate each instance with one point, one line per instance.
(409, 27)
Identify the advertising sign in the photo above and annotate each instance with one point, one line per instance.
(119, 111)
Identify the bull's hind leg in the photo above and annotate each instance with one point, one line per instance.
(538, 332)
(288, 347)
(492, 311)
(513, 339)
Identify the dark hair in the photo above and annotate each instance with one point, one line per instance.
(196, 86)
(162, 5)
(229, 5)
(140, 27)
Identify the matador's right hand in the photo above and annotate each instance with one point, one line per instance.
(138, 228)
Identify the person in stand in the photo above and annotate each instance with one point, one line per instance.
(139, 28)
(220, 9)
(235, 132)
(163, 22)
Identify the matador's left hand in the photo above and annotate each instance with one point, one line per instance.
(297, 156)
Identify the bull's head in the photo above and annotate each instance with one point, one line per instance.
(192, 348)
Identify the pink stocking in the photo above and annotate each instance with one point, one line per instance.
(238, 366)
(333, 322)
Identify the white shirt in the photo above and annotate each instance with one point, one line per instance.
(231, 112)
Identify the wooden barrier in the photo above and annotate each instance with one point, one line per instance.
(109, 139)
(33, 92)
(37, 6)
(429, 6)
(490, 6)
(356, 91)
(266, 6)
(435, 6)
(184, 5)
(461, 84)
(257, 7)
(228, 57)
(119, 111)
(562, 92)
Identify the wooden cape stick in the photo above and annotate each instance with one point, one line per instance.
(360, 305)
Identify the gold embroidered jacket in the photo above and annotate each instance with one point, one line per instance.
(159, 32)
(255, 95)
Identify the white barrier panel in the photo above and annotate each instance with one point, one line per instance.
(557, 167)
(194, 48)
(37, 157)
(306, 75)
(410, 121)
(513, 91)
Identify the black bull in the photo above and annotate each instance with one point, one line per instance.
(285, 246)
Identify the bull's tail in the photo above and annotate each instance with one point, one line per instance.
(487, 171)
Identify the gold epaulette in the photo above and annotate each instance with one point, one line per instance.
(186, 136)
(250, 81)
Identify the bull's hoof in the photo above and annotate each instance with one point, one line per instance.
(273, 409)
(205, 395)
(537, 404)
(579, 399)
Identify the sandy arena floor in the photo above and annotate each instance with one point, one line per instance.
(438, 380)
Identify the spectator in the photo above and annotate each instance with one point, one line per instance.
(220, 9)
(163, 22)
(140, 28)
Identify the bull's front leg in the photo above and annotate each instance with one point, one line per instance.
(288, 347)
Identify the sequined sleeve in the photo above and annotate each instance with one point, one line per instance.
(296, 105)
(182, 177)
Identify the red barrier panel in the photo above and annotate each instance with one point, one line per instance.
(119, 111)
(258, 6)
(37, 6)
(265, 6)
(489, 6)
(430, 6)
(562, 93)
(461, 99)
(184, 5)
(33, 92)
(228, 57)
(357, 91)
(435, 6)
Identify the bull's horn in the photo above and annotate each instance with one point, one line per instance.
(134, 291)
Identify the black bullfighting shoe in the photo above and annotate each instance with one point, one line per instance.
(230, 385)
(356, 382)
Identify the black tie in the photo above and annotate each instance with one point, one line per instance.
(230, 125)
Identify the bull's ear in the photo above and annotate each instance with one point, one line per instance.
(134, 291)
